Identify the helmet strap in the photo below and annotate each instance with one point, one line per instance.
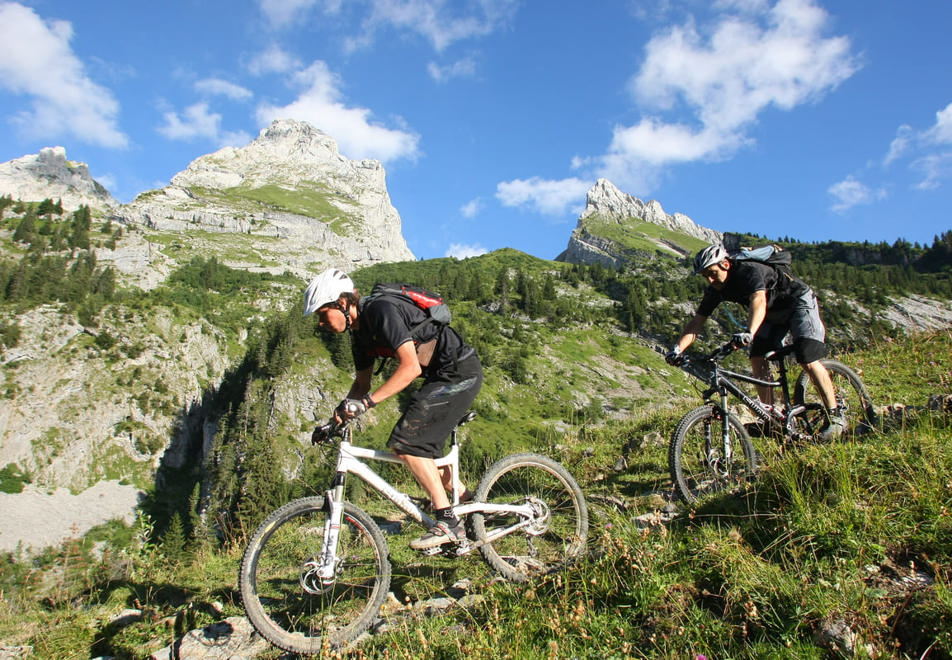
(345, 310)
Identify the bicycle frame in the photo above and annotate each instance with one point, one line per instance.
(722, 382)
(350, 461)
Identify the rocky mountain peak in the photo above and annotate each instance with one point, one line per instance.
(286, 153)
(608, 202)
(290, 183)
(605, 203)
(49, 175)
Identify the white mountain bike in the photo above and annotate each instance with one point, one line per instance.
(317, 570)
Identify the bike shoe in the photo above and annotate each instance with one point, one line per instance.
(442, 532)
(834, 426)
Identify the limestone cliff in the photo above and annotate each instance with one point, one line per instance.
(615, 226)
(48, 175)
(290, 185)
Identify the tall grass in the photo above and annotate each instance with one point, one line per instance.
(838, 550)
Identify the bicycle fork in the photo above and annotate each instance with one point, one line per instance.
(320, 573)
(726, 449)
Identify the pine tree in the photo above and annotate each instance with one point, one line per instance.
(26, 230)
(173, 543)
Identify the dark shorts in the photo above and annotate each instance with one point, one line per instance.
(804, 325)
(435, 409)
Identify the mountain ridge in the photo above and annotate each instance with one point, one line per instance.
(616, 228)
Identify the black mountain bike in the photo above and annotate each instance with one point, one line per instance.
(711, 450)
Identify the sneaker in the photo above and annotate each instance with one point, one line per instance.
(442, 532)
(834, 426)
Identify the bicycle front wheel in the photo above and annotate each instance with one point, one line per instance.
(284, 597)
(851, 396)
(699, 460)
(558, 529)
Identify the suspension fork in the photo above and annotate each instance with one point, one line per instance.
(334, 503)
(725, 428)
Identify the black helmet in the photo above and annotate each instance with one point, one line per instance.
(712, 254)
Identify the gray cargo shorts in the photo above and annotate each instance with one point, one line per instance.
(802, 321)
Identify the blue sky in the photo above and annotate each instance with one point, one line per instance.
(815, 120)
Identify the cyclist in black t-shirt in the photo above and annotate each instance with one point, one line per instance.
(387, 326)
(777, 304)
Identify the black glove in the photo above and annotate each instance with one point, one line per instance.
(321, 434)
(674, 356)
(742, 338)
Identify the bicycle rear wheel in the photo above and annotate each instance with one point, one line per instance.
(697, 459)
(286, 600)
(559, 529)
(851, 395)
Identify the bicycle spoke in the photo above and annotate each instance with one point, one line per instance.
(851, 396)
(285, 598)
(557, 530)
(700, 462)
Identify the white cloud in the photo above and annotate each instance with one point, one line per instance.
(900, 144)
(717, 82)
(274, 59)
(357, 135)
(545, 196)
(37, 60)
(218, 87)
(926, 151)
(850, 192)
(935, 167)
(941, 133)
(281, 12)
(196, 122)
(464, 251)
(464, 68)
(441, 22)
(471, 208)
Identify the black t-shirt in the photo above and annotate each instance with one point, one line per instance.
(746, 277)
(388, 322)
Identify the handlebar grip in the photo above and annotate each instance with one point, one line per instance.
(322, 434)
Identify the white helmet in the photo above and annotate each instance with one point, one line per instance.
(326, 288)
(712, 254)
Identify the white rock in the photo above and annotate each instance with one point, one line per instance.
(48, 175)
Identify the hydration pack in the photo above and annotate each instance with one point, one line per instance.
(431, 303)
(772, 255)
(437, 312)
(778, 259)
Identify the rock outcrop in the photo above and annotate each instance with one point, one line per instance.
(289, 184)
(48, 175)
(605, 203)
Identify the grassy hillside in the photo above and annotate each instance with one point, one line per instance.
(636, 236)
(845, 544)
(222, 355)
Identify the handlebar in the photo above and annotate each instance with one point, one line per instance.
(324, 433)
(716, 355)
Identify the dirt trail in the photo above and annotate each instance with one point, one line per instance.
(37, 519)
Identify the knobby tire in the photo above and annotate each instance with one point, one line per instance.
(277, 604)
(555, 541)
(851, 394)
(696, 458)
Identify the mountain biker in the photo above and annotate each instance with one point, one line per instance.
(380, 326)
(777, 303)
